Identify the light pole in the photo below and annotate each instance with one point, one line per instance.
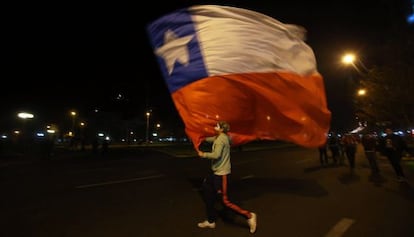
(351, 59)
(147, 129)
(24, 116)
(157, 129)
(73, 114)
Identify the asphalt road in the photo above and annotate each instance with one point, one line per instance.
(145, 193)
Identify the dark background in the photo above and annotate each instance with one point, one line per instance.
(62, 56)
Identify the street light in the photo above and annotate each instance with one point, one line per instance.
(350, 59)
(362, 92)
(24, 116)
(147, 130)
(156, 130)
(73, 114)
(355, 62)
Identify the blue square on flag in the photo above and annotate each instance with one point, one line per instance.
(175, 42)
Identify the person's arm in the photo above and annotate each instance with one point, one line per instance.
(210, 139)
(217, 149)
(216, 153)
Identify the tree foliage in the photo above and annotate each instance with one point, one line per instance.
(390, 85)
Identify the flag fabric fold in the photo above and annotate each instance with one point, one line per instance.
(241, 66)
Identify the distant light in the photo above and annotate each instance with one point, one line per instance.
(4, 136)
(119, 97)
(25, 115)
(101, 134)
(40, 134)
(50, 131)
(410, 19)
(348, 58)
(362, 92)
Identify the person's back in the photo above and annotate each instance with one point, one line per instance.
(350, 145)
(220, 154)
(393, 146)
(333, 143)
(393, 143)
(369, 142)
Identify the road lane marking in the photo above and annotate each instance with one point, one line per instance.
(120, 181)
(238, 162)
(304, 161)
(247, 177)
(340, 228)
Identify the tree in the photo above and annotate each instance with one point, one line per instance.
(390, 85)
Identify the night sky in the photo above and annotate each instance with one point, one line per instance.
(62, 56)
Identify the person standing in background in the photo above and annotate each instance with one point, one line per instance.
(393, 146)
(323, 154)
(350, 146)
(333, 144)
(369, 143)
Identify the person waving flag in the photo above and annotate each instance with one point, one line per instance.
(241, 66)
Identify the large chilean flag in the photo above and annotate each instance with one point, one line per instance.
(237, 65)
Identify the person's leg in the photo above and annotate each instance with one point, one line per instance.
(395, 164)
(335, 154)
(352, 158)
(209, 196)
(372, 159)
(348, 158)
(396, 158)
(325, 156)
(321, 156)
(250, 216)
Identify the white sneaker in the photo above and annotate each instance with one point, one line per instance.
(206, 224)
(252, 222)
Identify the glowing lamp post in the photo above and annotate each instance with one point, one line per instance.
(362, 92)
(25, 115)
(73, 114)
(148, 114)
(350, 59)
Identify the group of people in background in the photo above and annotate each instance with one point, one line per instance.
(391, 146)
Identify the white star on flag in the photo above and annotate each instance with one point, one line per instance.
(174, 49)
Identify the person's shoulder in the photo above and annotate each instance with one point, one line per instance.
(224, 137)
